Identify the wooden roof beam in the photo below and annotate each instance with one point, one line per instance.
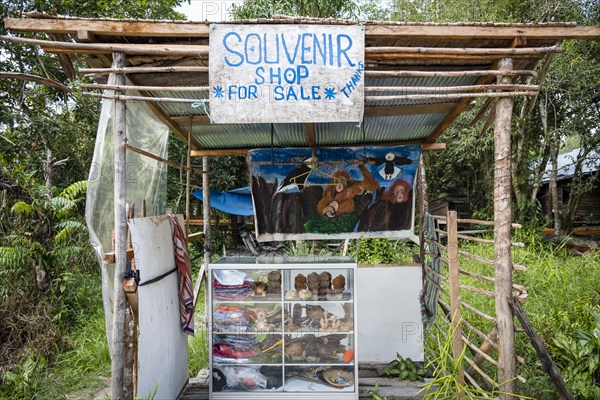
(372, 31)
(101, 27)
(466, 32)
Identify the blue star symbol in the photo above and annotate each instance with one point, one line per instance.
(218, 91)
(329, 93)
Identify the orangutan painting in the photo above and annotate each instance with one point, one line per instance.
(331, 193)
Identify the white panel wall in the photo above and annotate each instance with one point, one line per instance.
(389, 313)
(162, 346)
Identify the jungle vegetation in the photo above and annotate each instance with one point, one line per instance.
(51, 323)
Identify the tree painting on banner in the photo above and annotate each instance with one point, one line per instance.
(286, 73)
(334, 193)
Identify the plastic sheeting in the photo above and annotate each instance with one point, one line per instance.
(145, 179)
(236, 202)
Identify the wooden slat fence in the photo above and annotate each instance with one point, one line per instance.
(466, 303)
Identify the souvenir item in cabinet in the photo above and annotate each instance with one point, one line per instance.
(313, 282)
(339, 284)
(324, 283)
(274, 283)
(300, 282)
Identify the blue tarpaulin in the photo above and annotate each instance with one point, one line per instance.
(237, 201)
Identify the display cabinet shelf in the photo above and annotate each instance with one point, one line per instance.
(282, 331)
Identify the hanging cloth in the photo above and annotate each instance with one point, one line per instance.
(430, 293)
(182, 262)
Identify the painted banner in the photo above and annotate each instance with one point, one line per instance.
(334, 193)
(286, 73)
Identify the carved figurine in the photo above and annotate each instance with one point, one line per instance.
(324, 283)
(290, 294)
(339, 284)
(300, 282)
(313, 282)
(260, 289)
(274, 283)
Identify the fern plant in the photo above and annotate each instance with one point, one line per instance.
(47, 234)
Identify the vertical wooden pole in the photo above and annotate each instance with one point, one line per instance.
(502, 245)
(119, 302)
(423, 208)
(206, 210)
(187, 181)
(457, 345)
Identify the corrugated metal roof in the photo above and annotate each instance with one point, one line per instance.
(378, 129)
(566, 165)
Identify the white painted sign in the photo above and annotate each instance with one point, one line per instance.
(286, 73)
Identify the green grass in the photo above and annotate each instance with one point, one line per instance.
(198, 344)
(563, 296)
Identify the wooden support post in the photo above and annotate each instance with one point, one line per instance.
(457, 332)
(502, 245)
(423, 207)
(188, 172)
(206, 226)
(119, 302)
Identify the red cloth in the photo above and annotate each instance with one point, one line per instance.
(182, 261)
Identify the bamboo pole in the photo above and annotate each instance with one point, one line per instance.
(466, 51)
(424, 96)
(422, 208)
(477, 312)
(188, 172)
(479, 240)
(108, 48)
(445, 89)
(143, 98)
(445, 74)
(205, 226)
(148, 88)
(502, 226)
(455, 294)
(140, 70)
(478, 291)
(482, 222)
(119, 302)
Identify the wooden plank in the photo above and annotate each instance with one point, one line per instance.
(105, 27)
(376, 31)
(310, 134)
(479, 32)
(541, 351)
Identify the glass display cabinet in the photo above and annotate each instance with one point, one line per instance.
(282, 330)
